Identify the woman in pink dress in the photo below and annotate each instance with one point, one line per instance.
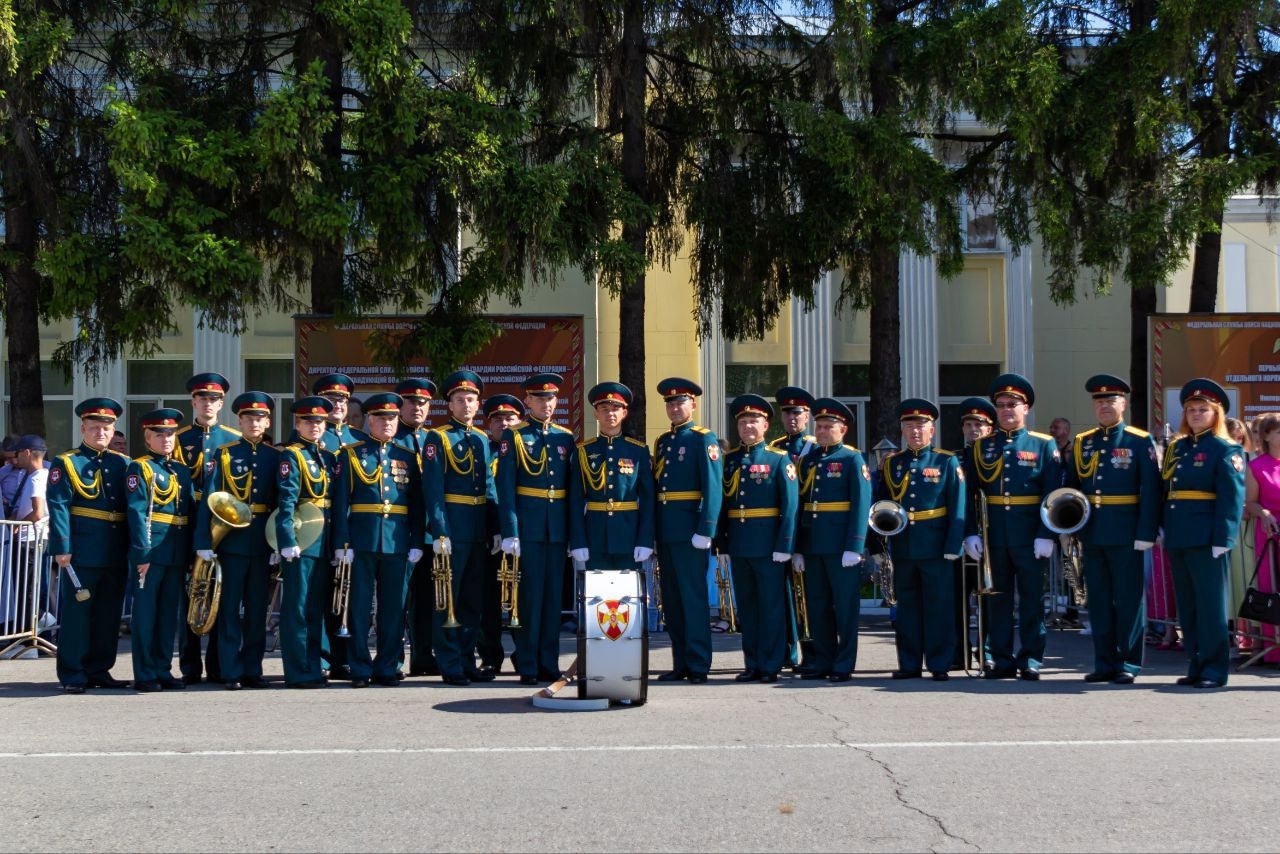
(1262, 502)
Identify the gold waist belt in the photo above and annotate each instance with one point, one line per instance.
(549, 494)
(921, 515)
(756, 513)
(322, 503)
(1192, 495)
(259, 508)
(470, 500)
(828, 507)
(693, 495)
(100, 515)
(611, 505)
(1013, 500)
(169, 519)
(1105, 500)
(383, 509)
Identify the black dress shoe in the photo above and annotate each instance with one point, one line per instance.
(340, 674)
(400, 675)
(429, 670)
(147, 686)
(747, 676)
(1029, 675)
(941, 676)
(192, 678)
(673, 676)
(73, 689)
(387, 681)
(906, 674)
(169, 683)
(1100, 677)
(1123, 679)
(1000, 673)
(1187, 680)
(815, 674)
(232, 685)
(768, 678)
(359, 682)
(257, 683)
(107, 682)
(1210, 683)
(312, 683)
(697, 678)
(481, 675)
(526, 679)
(550, 677)
(455, 679)
(841, 677)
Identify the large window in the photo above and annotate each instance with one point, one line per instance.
(59, 409)
(763, 380)
(955, 383)
(153, 384)
(274, 377)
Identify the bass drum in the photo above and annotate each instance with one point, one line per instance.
(613, 636)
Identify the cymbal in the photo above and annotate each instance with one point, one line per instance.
(308, 524)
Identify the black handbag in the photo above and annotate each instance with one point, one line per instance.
(1258, 606)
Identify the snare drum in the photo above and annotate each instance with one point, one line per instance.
(613, 635)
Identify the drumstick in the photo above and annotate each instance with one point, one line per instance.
(569, 672)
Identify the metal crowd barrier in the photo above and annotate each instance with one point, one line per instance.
(28, 591)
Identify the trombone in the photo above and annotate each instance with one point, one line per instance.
(974, 653)
(800, 602)
(508, 587)
(442, 575)
(342, 590)
(724, 585)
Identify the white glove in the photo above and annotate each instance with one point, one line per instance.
(497, 544)
(973, 547)
(274, 559)
(511, 546)
(701, 542)
(580, 555)
(1219, 551)
(441, 546)
(205, 554)
(1043, 547)
(1143, 545)
(341, 555)
(797, 562)
(291, 552)
(850, 559)
(415, 555)
(951, 557)
(641, 554)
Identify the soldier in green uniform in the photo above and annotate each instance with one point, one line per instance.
(794, 405)
(501, 412)
(197, 443)
(687, 473)
(1115, 466)
(159, 502)
(247, 469)
(928, 483)
(1015, 469)
(378, 515)
(1204, 482)
(757, 531)
(458, 480)
(411, 434)
(307, 472)
(611, 489)
(835, 495)
(977, 418)
(87, 525)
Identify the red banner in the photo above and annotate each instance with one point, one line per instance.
(526, 345)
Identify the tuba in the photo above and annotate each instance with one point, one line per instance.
(887, 519)
(1065, 511)
(206, 575)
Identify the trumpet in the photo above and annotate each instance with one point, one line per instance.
(342, 590)
(442, 575)
(887, 519)
(801, 603)
(724, 585)
(508, 587)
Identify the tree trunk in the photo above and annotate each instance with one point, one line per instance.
(1208, 254)
(22, 304)
(1142, 304)
(631, 343)
(327, 256)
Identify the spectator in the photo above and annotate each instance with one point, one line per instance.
(9, 473)
(119, 443)
(1262, 503)
(355, 413)
(29, 492)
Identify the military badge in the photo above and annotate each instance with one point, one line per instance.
(1237, 462)
(504, 447)
(713, 452)
(285, 469)
(431, 450)
(866, 475)
(791, 471)
(613, 616)
(132, 483)
(55, 474)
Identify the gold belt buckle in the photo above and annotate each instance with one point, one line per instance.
(386, 508)
(662, 496)
(610, 504)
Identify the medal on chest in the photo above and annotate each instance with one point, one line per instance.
(1121, 458)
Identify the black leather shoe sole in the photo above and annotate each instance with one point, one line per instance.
(673, 676)
(697, 678)
(481, 675)
(256, 684)
(1030, 675)
(386, 681)
(1099, 677)
(318, 683)
(456, 680)
(747, 676)
(147, 687)
(1187, 680)
(769, 678)
(359, 682)
(941, 676)
(173, 684)
(906, 674)
(998, 673)
(841, 677)
(233, 685)
(815, 674)
(113, 684)
(528, 680)
(1123, 679)
(73, 689)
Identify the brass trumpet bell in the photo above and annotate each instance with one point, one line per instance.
(887, 518)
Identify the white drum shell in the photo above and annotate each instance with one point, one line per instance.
(612, 635)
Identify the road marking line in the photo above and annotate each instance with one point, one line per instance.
(643, 748)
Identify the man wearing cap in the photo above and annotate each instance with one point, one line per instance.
(379, 522)
(9, 474)
(977, 418)
(337, 389)
(307, 472)
(687, 472)
(533, 511)
(794, 404)
(459, 483)
(411, 434)
(1204, 482)
(1115, 466)
(247, 469)
(928, 484)
(160, 501)
(835, 497)
(1015, 469)
(197, 443)
(757, 531)
(501, 412)
(87, 530)
(611, 489)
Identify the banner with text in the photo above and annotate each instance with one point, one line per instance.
(525, 345)
(1241, 352)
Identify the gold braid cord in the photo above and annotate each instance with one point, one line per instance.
(358, 470)
(307, 480)
(87, 491)
(527, 462)
(731, 484)
(238, 487)
(899, 489)
(806, 486)
(1085, 470)
(159, 497)
(1170, 461)
(455, 462)
(592, 480)
(986, 473)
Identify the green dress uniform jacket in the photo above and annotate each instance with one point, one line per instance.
(611, 500)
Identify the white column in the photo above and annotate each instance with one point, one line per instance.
(811, 340)
(919, 335)
(1019, 318)
(711, 366)
(218, 351)
(112, 382)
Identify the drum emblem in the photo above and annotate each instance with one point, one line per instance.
(613, 615)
